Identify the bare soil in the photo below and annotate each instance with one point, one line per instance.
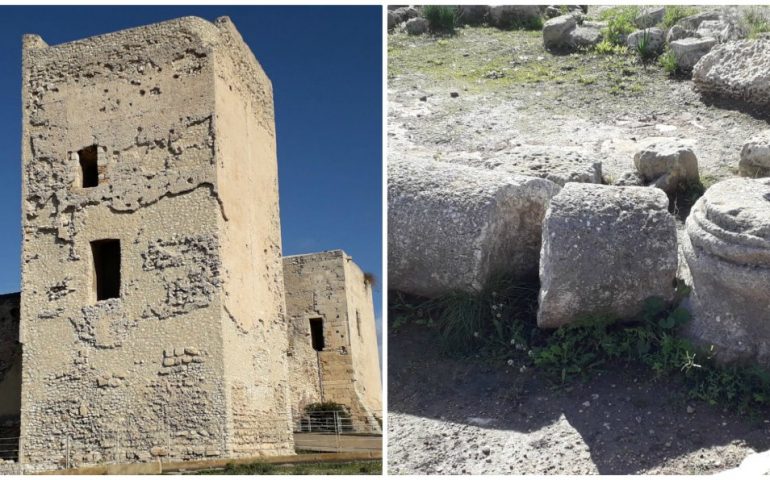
(474, 416)
(482, 91)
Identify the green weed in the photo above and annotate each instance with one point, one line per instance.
(668, 62)
(644, 47)
(498, 322)
(441, 18)
(620, 22)
(605, 47)
(674, 13)
(756, 22)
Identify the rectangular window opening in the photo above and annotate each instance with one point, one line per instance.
(106, 255)
(89, 169)
(317, 333)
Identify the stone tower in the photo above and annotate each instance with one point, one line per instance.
(152, 317)
(332, 335)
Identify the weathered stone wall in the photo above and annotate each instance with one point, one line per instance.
(330, 286)
(161, 370)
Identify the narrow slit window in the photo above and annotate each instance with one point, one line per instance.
(106, 255)
(89, 169)
(317, 333)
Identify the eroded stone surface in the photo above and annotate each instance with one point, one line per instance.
(151, 137)
(667, 165)
(452, 227)
(727, 249)
(755, 156)
(688, 51)
(605, 250)
(736, 70)
(557, 164)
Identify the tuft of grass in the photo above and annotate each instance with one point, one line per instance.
(620, 22)
(674, 13)
(644, 48)
(441, 18)
(668, 62)
(756, 22)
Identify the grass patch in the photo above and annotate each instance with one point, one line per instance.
(668, 61)
(480, 60)
(674, 13)
(347, 468)
(620, 22)
(441, 18)
(499, 322)
(756, 22)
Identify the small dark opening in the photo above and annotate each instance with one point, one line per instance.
(317, 333)
(106, 255)
(88, 166)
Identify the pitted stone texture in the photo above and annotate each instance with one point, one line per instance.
(452, 227)
(556, 31)
(667, 165)
(755, 156)
(330, 286)
(727, 249)
(688, 51)
(605, 251)
(585, 36)
(557, 164)
(736, 70)
(472, 14)
(416, 26)
(507, 16)
(180, 118)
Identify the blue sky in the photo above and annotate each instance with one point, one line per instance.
(326, 67)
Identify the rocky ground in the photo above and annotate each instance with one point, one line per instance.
(485, 91)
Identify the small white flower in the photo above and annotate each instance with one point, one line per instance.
(513, 341)
(498, 315)
(476, 334)
(523, 369)
(510, 362)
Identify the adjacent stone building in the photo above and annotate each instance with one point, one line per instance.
(332, 335)
(152, 303)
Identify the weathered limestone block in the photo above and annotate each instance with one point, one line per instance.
(688, 51)
(667, 165)
(556, 31)
(585, 36)
(452, 227)
(727, 249)
(736, 70)
(755, 156)
(605, 251)
(472, 14)
(416, 26)
(557, 164)
(507, 16)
